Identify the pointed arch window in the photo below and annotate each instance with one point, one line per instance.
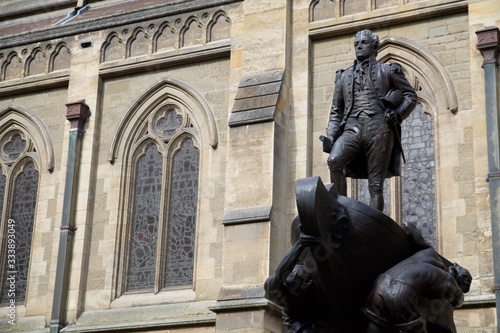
(19, 179)
(163, 198)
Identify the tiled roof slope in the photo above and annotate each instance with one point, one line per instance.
(19, 19)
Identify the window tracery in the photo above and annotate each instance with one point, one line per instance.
(13, 146)
(164, 195)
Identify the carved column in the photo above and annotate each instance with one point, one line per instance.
(488, 42)
(77, 114)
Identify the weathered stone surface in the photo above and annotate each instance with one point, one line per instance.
(266, 74)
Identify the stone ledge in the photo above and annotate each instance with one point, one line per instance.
(159, 60)
(157, 316)
(247, 215)
(261, 78)
(479, 301)
(255, 102)
(127, 327)
(258, 90)
(244, 305)
(252, 117)
(34, 83)
(241, 292)
(24, 325)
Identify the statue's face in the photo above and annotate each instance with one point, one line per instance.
(364, 46)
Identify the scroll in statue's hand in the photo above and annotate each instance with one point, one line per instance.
(327, 143)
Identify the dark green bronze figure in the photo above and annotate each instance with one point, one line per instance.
(352, 269)
(370, 101)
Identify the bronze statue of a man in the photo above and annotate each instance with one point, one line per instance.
(369, 102)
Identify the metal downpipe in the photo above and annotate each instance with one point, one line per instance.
(77, 113)
(489, 45)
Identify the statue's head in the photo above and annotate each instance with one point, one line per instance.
(461, 275)
(365, 44)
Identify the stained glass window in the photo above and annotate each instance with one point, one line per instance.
(418, 178)
(22, 212)
(182, 219)
(164, 201)
(145, 223)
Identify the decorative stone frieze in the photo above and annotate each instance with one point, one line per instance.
(170, 35)
(37, 59)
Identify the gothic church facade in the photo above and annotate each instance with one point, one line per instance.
(149, 152)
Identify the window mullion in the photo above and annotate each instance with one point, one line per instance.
(162, 229)
(3, 225)
(128, 216)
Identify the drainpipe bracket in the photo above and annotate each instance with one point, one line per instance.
(492, 175)
(69, 228)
